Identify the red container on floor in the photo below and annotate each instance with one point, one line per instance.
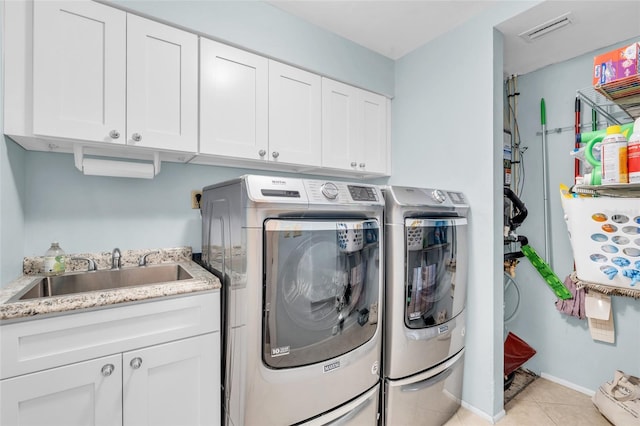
(516, 353)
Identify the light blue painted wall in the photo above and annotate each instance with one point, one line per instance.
(447, 133)
(12, 175)
(439, 133)
(564, 344)
(260, 27)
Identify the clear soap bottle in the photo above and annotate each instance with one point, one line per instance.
(54, 260)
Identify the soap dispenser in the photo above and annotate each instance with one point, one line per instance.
(54, 260)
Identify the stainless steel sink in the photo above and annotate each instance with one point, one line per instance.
(103, 280)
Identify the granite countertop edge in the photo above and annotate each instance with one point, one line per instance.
(202, 280)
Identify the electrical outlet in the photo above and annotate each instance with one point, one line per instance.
(196, 196)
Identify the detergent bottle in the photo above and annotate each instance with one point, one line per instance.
(614, 156)
(633, 153)
(595, 177)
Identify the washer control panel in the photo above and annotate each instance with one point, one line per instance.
(362, 193)
(335, 192)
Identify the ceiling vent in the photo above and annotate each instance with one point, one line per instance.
(547, 27)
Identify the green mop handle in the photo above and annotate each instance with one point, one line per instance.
(545, 182)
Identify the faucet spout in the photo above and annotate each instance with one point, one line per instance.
(116, 262)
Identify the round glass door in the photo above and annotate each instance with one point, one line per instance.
(321, 289)
(435, 278)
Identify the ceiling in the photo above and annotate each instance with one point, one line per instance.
(395, 28)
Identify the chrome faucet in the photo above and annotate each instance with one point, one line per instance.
(143, 258)
(91, 264)
(116, 259)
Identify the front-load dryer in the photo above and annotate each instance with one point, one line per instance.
(300, 262)
(425, 292)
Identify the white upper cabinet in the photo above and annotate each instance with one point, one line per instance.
(162, 86)
(354, 129)
(233, 102)
(86, 78)
(294, 115)
(102, 75)
(79, 71)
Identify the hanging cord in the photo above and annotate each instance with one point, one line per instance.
(517, 150)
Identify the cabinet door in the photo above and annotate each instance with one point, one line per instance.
(233, 102)
(294, 115)
(177, 383)
(82, 394)
(341, 147)
(79, 71)
(162, 86)
(354, 128)
(374, 110)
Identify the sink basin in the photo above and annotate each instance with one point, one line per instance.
(103, 280)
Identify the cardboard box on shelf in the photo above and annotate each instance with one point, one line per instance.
(616, 64)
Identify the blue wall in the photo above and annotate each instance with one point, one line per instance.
(446, 123)
(12, 176)
(262, 28)
(447, 133)
(565, 348)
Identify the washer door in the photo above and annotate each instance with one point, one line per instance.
(321, 289)
(436, 274)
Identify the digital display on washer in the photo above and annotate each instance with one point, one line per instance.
(456, 197)
(280, 193)
(362, 193)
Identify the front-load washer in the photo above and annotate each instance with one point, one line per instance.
(425, 292)
(300, 262)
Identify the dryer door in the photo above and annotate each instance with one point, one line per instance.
(436, 274)
(321, 289)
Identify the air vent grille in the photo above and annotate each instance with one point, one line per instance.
(547, 27)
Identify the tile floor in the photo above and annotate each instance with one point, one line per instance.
(542, 403)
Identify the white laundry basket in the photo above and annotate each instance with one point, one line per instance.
(605, 238)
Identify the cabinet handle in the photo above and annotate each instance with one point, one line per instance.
(275, 154)
(137, 137)
(114, 134)
(354, 164)
(136, 363)
(107, 369)
(262, 153)
(362, 165)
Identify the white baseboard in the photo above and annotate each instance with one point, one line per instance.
(493, 420)
(567, 384)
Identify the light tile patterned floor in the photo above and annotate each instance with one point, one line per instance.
(542, 403)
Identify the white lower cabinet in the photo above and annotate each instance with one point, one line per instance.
(176, 383)
(153, 364)
(169, 384)
(81, 394)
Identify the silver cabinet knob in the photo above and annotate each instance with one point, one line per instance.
(262, 153)
(353, 164)
(275, 154)
(362, 165)
(114, 134)
(137, 137)
(107, 369)
(136, 363)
